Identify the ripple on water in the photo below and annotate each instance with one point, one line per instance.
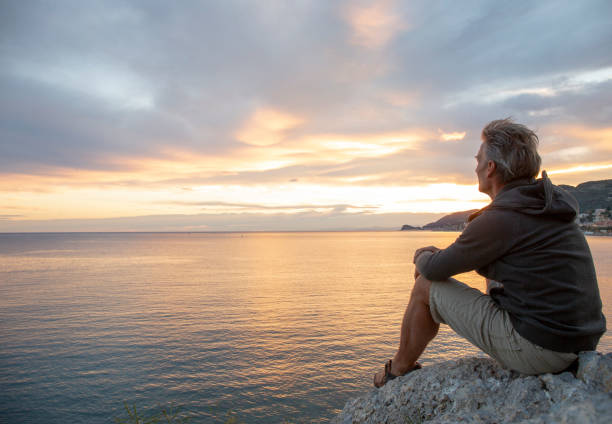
(270, 326)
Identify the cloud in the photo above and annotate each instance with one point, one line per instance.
(278, 207)
(373, 24)
(266, 127)
(82, 83)
(452, 136)
(310, 221)
(581, 168)
(9, 217)
(156, 97)
(117, 87)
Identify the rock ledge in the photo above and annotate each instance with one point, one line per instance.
(478, 390)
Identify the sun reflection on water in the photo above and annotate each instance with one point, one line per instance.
(272, 326)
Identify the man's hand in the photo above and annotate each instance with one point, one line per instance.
(417, 253)
(492, 284)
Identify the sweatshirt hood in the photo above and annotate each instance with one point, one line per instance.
(535, 197)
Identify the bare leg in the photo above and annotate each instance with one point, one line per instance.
(418, 329)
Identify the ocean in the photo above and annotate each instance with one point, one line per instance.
(262, 327)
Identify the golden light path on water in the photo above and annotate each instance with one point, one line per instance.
(272, 326)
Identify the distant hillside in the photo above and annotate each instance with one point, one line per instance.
(410, 228)
(592, 195)
(453, 222)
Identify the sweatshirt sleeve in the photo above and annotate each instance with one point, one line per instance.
(484, 240)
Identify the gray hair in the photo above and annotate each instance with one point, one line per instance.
(514, 149)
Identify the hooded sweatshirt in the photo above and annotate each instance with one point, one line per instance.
(527, 239)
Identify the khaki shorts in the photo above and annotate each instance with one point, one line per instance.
(475, 316)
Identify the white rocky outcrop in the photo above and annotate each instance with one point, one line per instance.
(479, 390)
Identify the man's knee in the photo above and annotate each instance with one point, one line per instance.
(421, 289)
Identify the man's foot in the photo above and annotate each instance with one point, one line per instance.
(390, 372)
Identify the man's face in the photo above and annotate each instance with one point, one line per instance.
(484, 184)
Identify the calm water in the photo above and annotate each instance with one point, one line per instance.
(279, 326)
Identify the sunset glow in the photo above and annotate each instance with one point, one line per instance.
(580, 168)
(320, 116)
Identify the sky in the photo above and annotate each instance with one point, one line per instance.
(286, 115)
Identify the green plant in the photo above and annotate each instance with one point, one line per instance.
(417, 420)
(168, 415)
(231, 418)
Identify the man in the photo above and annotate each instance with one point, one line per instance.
(542, 305)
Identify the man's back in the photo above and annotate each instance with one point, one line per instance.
(527, 240)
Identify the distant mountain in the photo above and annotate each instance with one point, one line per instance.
(592, 194)
(453, 222)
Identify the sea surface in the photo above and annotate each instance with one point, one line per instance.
(265, 327)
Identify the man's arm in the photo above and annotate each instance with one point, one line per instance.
(431, 249)
(485, 239)
(417, 253)
(492, 284)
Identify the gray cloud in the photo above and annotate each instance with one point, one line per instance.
(86, 82)
(307, 221)
(455, 47)
(587, 106)
(9, 217)
(251, 206)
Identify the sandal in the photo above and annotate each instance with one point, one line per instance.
(390, 376)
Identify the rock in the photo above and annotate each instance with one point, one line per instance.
(596, 369)
(407, 227)
(479, 390)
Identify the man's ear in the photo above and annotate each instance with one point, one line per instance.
(491, 167)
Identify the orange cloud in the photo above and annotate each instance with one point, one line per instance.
(345, 147)
(266, 127)
(70, 202)
(399, 98)
(452, 136)
(580, 168)
(601, 137)
(373, 25)
(184, 182)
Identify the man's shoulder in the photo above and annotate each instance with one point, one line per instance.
(492, 223)
(489, 214)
